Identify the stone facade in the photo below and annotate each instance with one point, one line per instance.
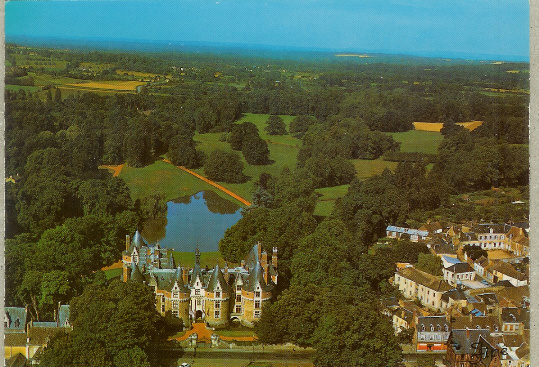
(215, 296)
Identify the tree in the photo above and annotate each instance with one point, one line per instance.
(355, 335)
(300, 124)
(224, 166)
(182, 152)
(474, 252)
(275, 126)
(255, 150)
(429, 263)
(125, 329)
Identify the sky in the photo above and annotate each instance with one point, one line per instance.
(415, 27)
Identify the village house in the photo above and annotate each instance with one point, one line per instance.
(215, 296)
(471, 348)
(515, 351)
(432, 333)
(458, 272)
(25, 338)
(515, 320)
(414, 235)
(480, 265)
(425, 287)
(500, 270)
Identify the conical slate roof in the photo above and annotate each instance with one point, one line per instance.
(177, 279)
(136, 275)
(256, 278)
(138, 240)
(217, 278)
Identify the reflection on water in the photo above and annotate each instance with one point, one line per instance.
(199, 219)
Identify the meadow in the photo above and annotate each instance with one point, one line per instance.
(115, 85)
(419, 141)
(164, 178)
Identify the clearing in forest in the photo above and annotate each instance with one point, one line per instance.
(437, 126)
(111, 85)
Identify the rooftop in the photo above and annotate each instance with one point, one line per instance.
(425, 279)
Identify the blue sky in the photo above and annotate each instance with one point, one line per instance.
(417, 27)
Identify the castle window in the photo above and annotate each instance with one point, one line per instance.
(175, 304)
(217, 294)
(238, 298)
(257, 304)
(257, 294)
(175, 295)
(217, 314)
(238, 288)
(238, 308)
(197, 292)
(257, 314)
(176, 313)
(199, 302)
(162, 307)
(217, 304)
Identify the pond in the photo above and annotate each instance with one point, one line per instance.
(201, 219)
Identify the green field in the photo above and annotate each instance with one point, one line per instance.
(206, 258)
(326, 200)
(22, 87)
(418, 141)
(367, 168)
(283, 151)
(113, 273)
(165, 178)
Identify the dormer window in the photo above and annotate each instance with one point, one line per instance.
(439, 328)
(238, 288)
(422, 327)
(446, 328)
(175, 295)
(432, 328)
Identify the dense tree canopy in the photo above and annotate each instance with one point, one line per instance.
(112, 326)
(224, 166)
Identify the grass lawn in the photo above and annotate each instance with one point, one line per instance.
(283, 151)
(326, 202)
(206, 258)
(165, 178)
(236, 333)
(368, 168)
(113, 273)
(22, 87)
(418, 141)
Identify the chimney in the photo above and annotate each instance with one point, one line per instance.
(274, 257)
(243, 264)
(467, 332)
(225, 273)
(259, 248)
(471, 318)
(127, 242)
(264, 259)
(266, 273)
(185, 275)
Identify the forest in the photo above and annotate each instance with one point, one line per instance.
(66, 218)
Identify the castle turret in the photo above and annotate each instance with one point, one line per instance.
(217, 299)
(255, 292)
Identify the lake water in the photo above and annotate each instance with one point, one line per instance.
(199, 219)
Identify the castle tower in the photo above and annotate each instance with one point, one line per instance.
(217, 300)
(255, 292)
(179, 298)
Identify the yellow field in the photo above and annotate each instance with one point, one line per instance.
(111, 85)
(138, 74)
(437, 126)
